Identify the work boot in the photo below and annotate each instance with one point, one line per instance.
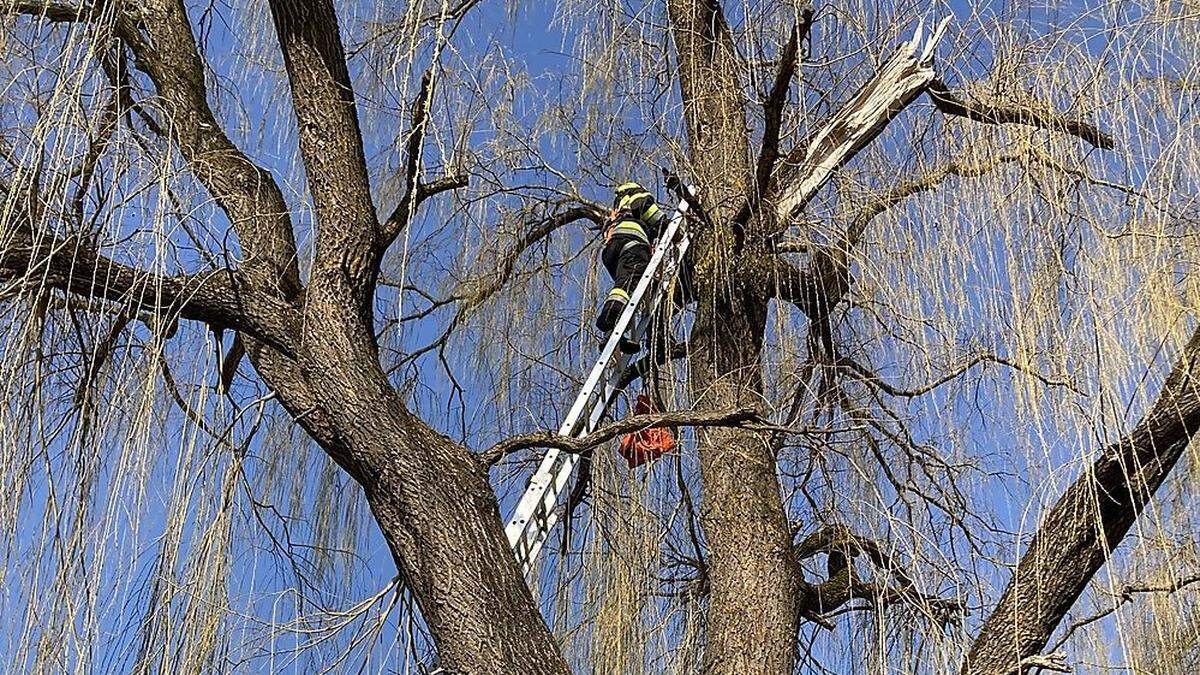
(628, 346)
(606, 320)
(624, 343)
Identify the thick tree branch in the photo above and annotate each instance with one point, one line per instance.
(904, 77)
(58, 12)
(741, 417)
(159, 33)
(817, 289)
(838, 538)
(776, 100)
(820, 287)
(348, 232)
(218, 298)
(768, 153)
(1087, 523)
(953, 104)
(412, 200)
(714, 103)
(823, 284)
(843, 584)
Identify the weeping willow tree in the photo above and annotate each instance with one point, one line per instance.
(294, 291)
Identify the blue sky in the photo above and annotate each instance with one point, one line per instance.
(257, 111)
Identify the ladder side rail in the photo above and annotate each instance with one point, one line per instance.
(666, 242)
(535, 514)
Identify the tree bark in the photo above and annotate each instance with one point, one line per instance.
(436, 509)
(714, 103)
(753, 578)
(752, 618)
(430, 496)
(246, 192)
(1086, 525)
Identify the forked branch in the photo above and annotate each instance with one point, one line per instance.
(769, 153)
(843, 546)
(777, 99)
(164, 47)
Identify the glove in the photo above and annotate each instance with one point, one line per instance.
(672, 178)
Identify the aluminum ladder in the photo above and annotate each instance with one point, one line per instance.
(536, 514)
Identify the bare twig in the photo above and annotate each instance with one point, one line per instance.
(865, 375)
(415, 190)
(1126, 595)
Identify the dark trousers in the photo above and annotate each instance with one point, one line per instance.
(626, 259)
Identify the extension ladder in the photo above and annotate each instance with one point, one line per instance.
(536, 513)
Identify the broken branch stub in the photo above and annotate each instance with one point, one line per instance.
(905, 76)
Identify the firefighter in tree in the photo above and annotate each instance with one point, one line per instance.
(634, 225)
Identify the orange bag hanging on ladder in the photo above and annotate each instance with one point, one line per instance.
(646, 445)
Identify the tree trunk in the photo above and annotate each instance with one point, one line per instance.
(441, 520)
(430, 496)
(752, 577)
(752, 617)
(436, 510)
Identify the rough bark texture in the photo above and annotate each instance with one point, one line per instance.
(246, 192)
(430, 496)
(714, 102)
(752, 619)
(1087, 523)
(753, 577)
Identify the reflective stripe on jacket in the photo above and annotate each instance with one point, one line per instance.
(627, 226)
(641, 204)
